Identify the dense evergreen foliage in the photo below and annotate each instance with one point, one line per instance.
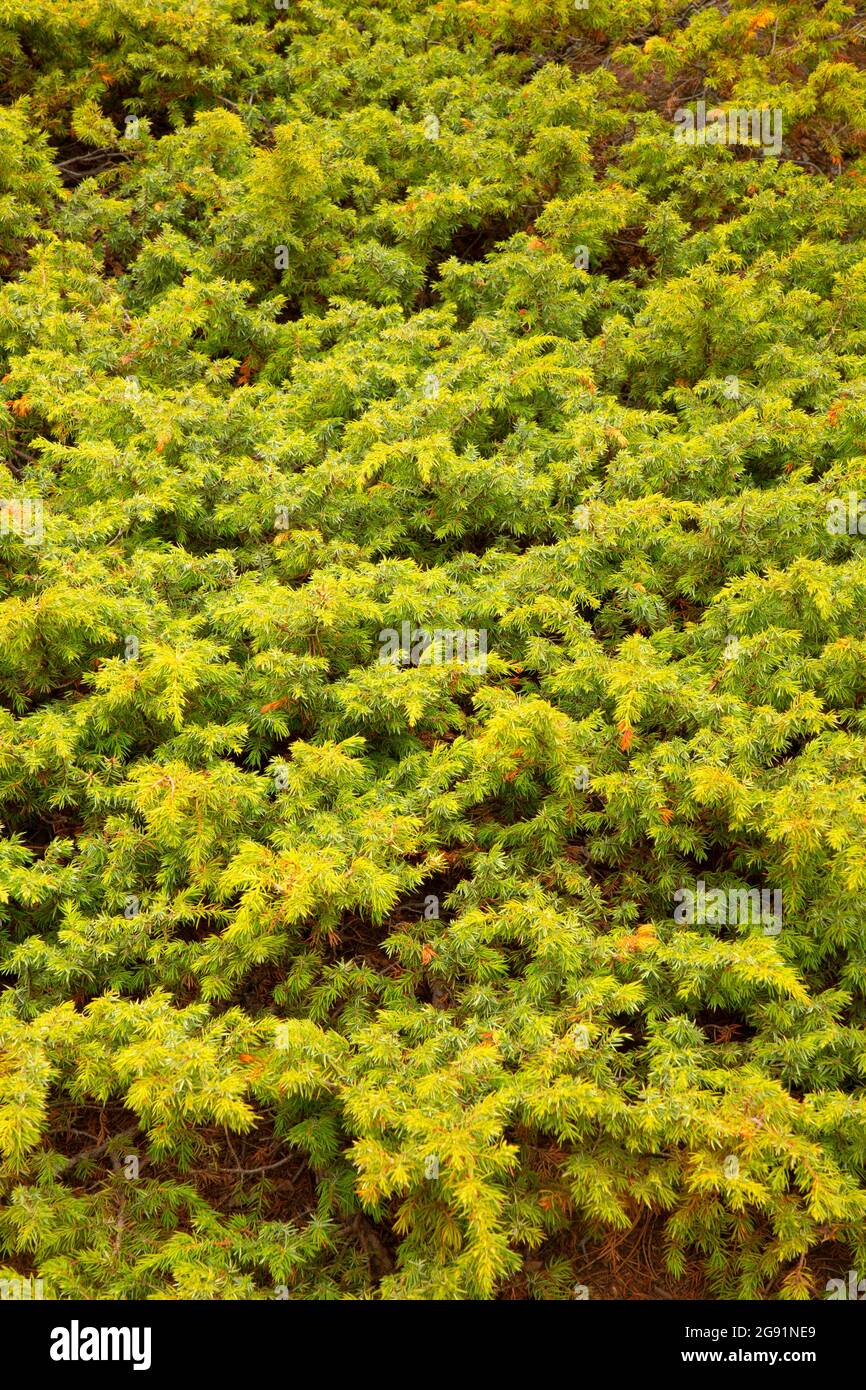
(350, 977)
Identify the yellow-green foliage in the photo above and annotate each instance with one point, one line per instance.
(321, 321)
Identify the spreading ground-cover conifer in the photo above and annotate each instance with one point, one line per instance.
(353, 977)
